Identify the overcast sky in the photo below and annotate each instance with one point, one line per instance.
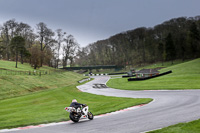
(92, 20)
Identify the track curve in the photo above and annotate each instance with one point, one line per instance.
(168, 107)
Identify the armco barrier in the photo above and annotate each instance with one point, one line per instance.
(95, 74)
(139, 79)
(104, 74)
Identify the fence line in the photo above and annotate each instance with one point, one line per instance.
(33, 72)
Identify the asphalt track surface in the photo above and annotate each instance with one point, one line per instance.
(169, 107)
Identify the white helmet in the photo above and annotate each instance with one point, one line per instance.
(74, 100)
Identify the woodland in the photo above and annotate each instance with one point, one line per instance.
(39, 46)
(178, 38)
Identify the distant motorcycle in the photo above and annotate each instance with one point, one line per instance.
(79, 113)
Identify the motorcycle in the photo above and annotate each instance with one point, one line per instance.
(79, 113)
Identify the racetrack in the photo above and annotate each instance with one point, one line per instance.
(167, 108)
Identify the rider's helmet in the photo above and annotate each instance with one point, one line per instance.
(74, 100)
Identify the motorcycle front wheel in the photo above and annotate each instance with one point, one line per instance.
(90, 116)
(74, 117)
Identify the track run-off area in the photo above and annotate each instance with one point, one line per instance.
(168, 107)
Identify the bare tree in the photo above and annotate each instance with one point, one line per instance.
(69, 49)
(82, 56)
(8, 30)
(45, 37)
(60, 39)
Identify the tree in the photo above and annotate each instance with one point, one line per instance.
(26, 32)
(161, 51)
(170, 49)
(69, 49)
(194, 40)
(17, 44)
(141, 36)
(60, 39)
(35, 55)
(45, 37)
(2, 48)
(24, 53)
(81, 58)
(8, 32)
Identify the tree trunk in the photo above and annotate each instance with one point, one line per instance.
(41, 59)
(22, 61)
(58, 59)
(16, 59)
(65, 61)
(41, 43)
(143, 53)
(35, 66)
(30, 61)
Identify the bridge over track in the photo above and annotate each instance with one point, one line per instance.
(94, 67)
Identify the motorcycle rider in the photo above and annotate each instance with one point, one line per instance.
(75, 104)
(78, 111)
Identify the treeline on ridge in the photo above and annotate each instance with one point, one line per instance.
(178, 38)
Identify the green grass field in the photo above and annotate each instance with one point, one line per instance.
(190, 127)
(127, 69)
(48, 106)
(21, 67)
(185, 76)
(160, 65)
(18, 85)
(31, 100)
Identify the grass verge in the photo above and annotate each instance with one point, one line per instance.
(10, 65)
(18, 85)
(185, 76)
(48, 106)
(190, 127)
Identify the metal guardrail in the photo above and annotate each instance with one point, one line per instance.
(139, 79)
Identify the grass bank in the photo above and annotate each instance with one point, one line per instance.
(31, 100)
(10, 65)
(48, 106)
(190, 127)
(161, 65)
(18, 85)
(185, 76)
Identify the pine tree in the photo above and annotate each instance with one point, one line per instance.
(17, 44)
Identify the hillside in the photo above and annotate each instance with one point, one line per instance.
(10, 65)
(185, 76)
(31, 100)
(12, 85)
